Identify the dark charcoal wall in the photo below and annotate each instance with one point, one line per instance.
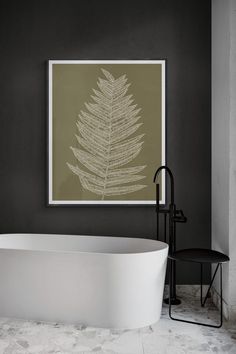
(33, 32)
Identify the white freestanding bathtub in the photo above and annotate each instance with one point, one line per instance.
(112, 282)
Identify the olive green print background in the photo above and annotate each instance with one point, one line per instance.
(72, 86)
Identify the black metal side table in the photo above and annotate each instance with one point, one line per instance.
(201, 256)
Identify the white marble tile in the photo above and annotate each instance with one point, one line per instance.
(164, 337)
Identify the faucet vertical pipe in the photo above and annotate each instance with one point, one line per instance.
(157, 208)
(172, 246)
(171, 206)
(172, 230)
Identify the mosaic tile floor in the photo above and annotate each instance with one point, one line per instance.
(164, 337)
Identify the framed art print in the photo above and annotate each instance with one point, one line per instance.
(106, 131)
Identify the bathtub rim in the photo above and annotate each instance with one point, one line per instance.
(165, 246)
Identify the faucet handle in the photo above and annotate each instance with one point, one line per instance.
(179, 216)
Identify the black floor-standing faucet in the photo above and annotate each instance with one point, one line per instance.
(174, 216)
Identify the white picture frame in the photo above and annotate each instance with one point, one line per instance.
(52, 141)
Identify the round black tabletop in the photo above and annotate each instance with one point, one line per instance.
(200, 255)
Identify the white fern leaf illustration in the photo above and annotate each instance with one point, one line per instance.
(106, 141)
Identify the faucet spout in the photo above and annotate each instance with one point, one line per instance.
(171, 180)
